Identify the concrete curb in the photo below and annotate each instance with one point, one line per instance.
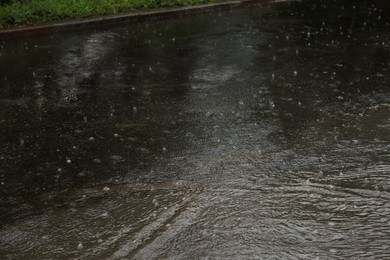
(124, 18)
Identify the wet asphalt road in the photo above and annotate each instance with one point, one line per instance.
(260, 132)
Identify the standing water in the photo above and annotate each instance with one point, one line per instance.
(260, 132)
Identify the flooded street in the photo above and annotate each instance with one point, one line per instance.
(258, 132)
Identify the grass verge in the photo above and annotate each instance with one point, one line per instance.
(16, 13)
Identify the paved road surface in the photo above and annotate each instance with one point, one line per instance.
(261, 132)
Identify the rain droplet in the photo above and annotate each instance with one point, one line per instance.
(97, 160)
(209, 113)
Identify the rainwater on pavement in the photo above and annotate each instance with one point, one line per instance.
(257, 132)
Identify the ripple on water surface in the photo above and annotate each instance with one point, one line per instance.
(257, 132)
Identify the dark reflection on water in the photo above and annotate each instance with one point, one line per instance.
(257, 132)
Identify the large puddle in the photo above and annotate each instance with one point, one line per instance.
(260, 132)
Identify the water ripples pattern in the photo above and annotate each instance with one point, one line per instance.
(260, 132)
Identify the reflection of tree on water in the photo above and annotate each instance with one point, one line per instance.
(156, 62)
(335, 76)
(94, 106)
(42, 149)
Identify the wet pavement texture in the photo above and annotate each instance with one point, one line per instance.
(259, 132)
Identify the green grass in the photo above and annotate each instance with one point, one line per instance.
(27, 12)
